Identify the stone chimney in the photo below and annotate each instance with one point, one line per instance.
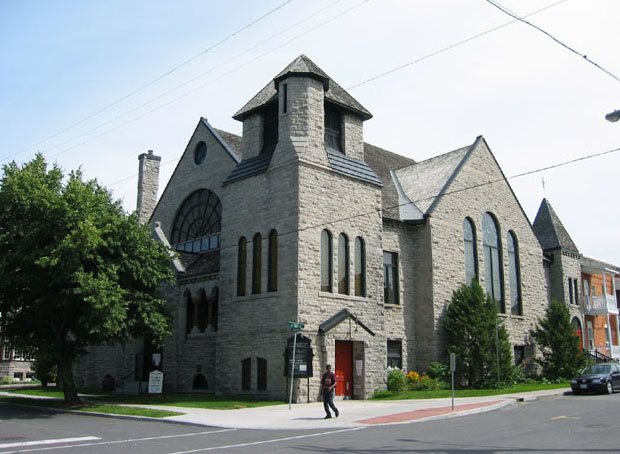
(148, 185)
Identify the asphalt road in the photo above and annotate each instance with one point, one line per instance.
(565, 424)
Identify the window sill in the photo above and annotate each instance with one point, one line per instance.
(256, 296)
(341, 296)
(394, 306)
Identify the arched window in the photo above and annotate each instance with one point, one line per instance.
(326, 261)
(272, 262)
(214, 308)
(343, 264)
(257, 262)
(246, 374)
(197, 224)
(492, 261)
(191, 312)
(514, 275)
(261, 374)
(471, 255)
(241, 265)
(200, 382)
(360, 267)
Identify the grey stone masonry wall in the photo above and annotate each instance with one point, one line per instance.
(301, 128)
(350, 207)
(252, 136)
(468, 197)
(148, 185)
(353, 136)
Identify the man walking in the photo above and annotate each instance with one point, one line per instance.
(328, 382)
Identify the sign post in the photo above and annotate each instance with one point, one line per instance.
(452, 369)
(296, 327)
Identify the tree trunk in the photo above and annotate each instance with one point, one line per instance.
(68, 384)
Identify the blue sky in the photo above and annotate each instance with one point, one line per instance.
(67, 69)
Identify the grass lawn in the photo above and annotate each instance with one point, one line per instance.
(190, 400)
(177, 399)
(520, 388)
(95, 408)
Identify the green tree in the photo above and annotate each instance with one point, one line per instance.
(76, 269)
(559, 345)
(471, 326)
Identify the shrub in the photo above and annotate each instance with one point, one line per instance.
(396, 380)
(439, 371)
(6, 380)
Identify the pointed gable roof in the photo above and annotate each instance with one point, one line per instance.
(425, 182)
(550, 231)
(302, 66)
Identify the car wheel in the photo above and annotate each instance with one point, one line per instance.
(576, 392)
(609, 387)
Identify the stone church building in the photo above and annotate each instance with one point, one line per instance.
(299, 220)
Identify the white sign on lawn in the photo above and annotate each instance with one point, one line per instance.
(156, 382)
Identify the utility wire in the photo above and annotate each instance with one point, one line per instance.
(418, 60)
(157, 79)
(521, 19)
(183, 84)
(199, 87)
(378, 212)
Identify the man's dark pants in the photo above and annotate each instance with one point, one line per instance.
(328, 401)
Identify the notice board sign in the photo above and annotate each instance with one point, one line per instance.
(156, 382)
(303, 357)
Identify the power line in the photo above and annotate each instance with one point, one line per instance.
(183, 84)
(383, 74)
(157, 79)
(566, 46)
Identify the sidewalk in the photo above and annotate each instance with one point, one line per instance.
(353, 413)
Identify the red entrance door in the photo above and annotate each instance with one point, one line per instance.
(344, 368)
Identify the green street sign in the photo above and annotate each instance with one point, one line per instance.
(296, 326)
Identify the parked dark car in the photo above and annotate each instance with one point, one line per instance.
(602, 377)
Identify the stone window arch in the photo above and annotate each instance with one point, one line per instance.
(360, 267)
(197, 224)
(242, 257)
(471, 250)
(343, 264)
(326, 261)
(514, 274)
(272, 262)
(493, 260)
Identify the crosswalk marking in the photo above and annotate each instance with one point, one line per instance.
(46, 442)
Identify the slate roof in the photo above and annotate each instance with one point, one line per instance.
(549, 230)
(303, 66)
(351, 167)
(250, 167)
(597, 264)
(426, 181)
(234, 141)
(382, 163)
(200, 264)
(339, 317)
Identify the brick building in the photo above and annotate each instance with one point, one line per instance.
(300, 220)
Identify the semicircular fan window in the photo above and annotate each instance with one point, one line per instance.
(197, 224)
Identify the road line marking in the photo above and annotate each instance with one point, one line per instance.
(254, 443)
(132, 440)
(46, 442)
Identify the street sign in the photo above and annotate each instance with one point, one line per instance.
(296, 326)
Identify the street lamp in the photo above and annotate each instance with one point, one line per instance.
(613, 116)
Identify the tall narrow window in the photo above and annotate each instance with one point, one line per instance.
(241, 265)
(471, 257)
(395, 354)
(492, 261)
(343, 264)
(261, 374)
(246, 374)
(360, 267)
(390, 278)
(257, 262)
(514, 275)
(270, 128)
(326, 261)
(333, 127)
(284, 97)
(272, 262)
(570, 290)
(576, 290)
